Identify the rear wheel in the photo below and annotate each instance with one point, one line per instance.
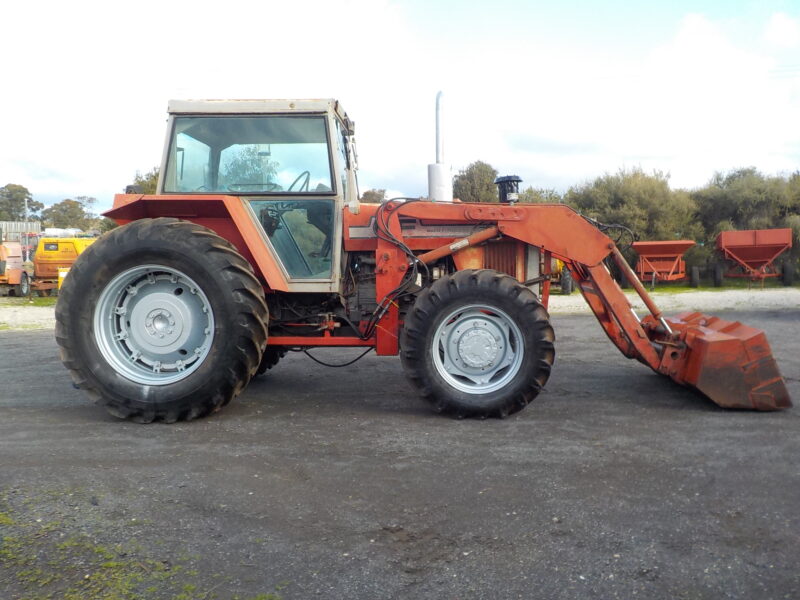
(23, 288)
(787, 275)
(694, 278)
(161, 319)
(566, 281)
(478, 343)
(718, 274)
(272, 355)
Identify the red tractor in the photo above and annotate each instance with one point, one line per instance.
(256, 244)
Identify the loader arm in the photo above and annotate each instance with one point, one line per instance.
(730, 363)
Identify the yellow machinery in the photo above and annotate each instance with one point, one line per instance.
(55, 254)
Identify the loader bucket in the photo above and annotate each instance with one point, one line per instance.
(729, 362)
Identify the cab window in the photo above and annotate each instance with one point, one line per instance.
(249, 155)
(301, 232)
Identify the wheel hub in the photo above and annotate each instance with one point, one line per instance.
(160, 321)
(478, 348)
(154, 324)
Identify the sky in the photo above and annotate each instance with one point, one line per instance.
(556, 92)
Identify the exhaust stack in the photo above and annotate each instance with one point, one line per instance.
(440, 178)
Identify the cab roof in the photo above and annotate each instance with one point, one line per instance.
(256, 107)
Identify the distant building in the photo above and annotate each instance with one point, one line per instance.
(11, 230)
(59, 232)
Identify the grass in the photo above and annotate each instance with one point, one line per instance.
(682, 287)
(32, 301)
(26, 326)
(58, 558)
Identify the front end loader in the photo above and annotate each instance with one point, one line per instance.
(256, 244)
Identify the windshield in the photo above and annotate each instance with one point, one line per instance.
(249, 154)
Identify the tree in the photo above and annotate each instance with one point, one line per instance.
(373, 196)
(476, 183)
(12, 203)
(745, 199)
(88, 203)
(640, 201)
(148, 182)
(540, 196)
(247, 166)
(67, 213)
(106, 224)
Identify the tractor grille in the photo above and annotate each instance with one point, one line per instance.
(501, 256)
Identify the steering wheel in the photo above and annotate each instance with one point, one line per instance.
(305, 177)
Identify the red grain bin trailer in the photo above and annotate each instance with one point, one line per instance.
(661, 260)
(751, 253)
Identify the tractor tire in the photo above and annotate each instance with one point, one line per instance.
(718, 274)
(23, 288)
(787, 273)
(161, 320)
(566, 281)
(270, 358)
(694, 277)
(477, 344)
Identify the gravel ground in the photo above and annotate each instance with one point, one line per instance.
(320, 483)
(27, 317)
(671, 302)
(38, 317)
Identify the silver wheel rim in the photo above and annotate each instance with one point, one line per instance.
(153, 325)
(477, 349)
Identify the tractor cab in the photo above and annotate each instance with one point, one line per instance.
(290, 162)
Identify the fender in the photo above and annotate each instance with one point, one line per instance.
(12, 276)
(225, 215)
(10, 263)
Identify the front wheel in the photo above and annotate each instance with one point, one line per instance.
(161, 319)
(478, 344)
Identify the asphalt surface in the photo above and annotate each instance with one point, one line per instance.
(340, 483)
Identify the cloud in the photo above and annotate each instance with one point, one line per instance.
(698, 102)
(783, 31)
(525, 142)
(90, 99)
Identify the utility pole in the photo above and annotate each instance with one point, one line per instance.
(27, 238)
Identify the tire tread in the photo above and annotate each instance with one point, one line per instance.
(420, 321)
(248, 324)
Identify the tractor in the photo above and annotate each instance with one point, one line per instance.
(256, 244)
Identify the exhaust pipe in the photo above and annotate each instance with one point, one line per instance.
(440, 178)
